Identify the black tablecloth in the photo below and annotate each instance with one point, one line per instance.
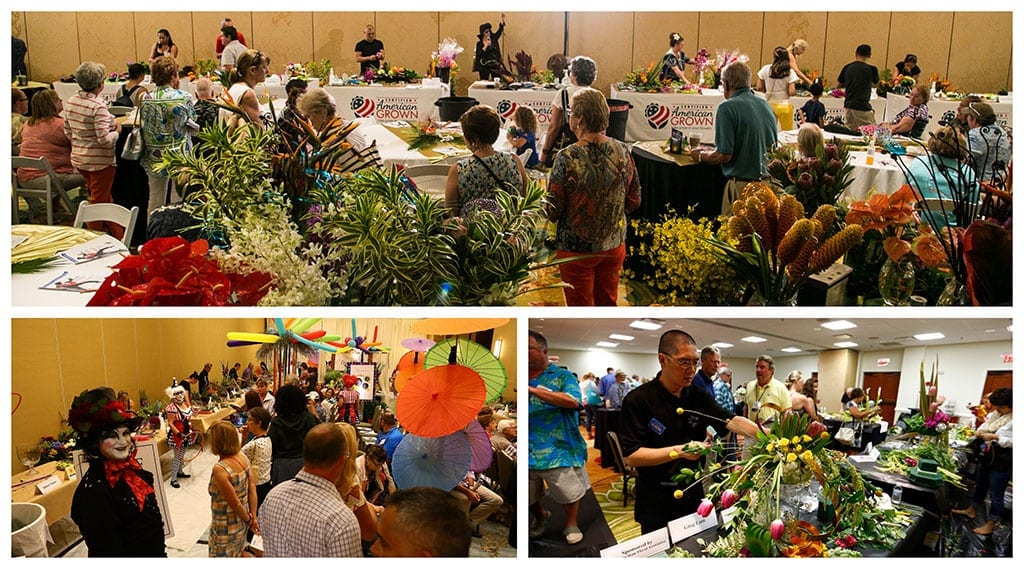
(936, 500)
(605, 420)
(872, 433)
(131, 187)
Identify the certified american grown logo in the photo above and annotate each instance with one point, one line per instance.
(507, 108)
(657, 115)
(363, 107)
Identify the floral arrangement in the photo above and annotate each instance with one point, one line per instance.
(942, 86)
(666, 280)
(320, 69)
(900, 461)
(204, 67)
(774, 249)
(814, 77)
(761, 491)
(170, 271)
(647, 78)
(389, 74)
(894, 219)
(903, 84)
(295, 70)
(523, 66)
(446, 52)
(838, 93)
(813, 180)
(57, 449)
(709, 69)
(545, 77)
(428, 133)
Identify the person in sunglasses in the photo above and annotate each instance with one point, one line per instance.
(659, 419)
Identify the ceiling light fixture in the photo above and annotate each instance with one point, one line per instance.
(607, 344)
(722, 345)
(646, 324)
(930, 336)
(791, 350)
(622, 337)
(845, 344)
(839, 325)
(754, 339)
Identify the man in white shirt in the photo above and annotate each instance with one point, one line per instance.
(233, 49)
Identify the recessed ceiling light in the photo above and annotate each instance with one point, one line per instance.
(842, 337)
(930, 336)
(791, 350)
(646, 324)
(839, 325)
(622, 337)
(607, 344)
(722, 345)
(990, 331)
(753, 339)
(845, 344)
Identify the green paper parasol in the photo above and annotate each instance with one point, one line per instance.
(471, 355)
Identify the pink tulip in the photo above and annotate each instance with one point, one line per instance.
(729, 498)
(705, 508)
(777, 529)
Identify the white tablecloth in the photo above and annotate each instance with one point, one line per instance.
(507, 101)
(936, 107)
(25, 289)
(393, 150)
(883, 176)
(655, 114)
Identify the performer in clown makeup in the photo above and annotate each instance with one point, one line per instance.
(178, 415)
(115, 505)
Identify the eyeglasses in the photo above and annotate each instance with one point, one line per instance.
(683, 362)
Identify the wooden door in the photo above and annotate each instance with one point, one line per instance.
(995, 379)
(889, 383)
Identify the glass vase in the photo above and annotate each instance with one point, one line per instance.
(896, 281)
(955, 294)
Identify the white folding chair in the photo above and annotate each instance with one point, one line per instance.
(108, 212)
(119, 111)
(430, 178)
(53, 186)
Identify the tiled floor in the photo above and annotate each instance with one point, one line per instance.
(190, 517)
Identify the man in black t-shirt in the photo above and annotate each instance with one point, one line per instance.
(369, 51)
(858, 78)
(204, 380)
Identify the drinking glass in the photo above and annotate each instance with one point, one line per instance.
(693, 139)
(29, 455)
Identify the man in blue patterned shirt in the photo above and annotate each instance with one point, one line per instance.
(557, 451)
(723, 390)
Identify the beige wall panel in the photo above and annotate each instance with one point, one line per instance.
(285, 36)
(732, 30)
(781, 28)
(179, 24)
(48, 60)
(847, 30)
(108, 38)
(409, 38)
(981, 33)
(151, 361)
(537, 33)
(35, 375)
(590, 34)
(926, 35)
(120, 354)
(335, 35)
(837, 370)
(652, 43)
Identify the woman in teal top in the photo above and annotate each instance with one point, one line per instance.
(943, 174)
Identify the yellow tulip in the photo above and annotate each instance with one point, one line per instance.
(783, 442)
(770, 447)
(791, 457)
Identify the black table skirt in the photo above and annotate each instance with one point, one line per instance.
(605, 420)
(131, 187)
(872, 434)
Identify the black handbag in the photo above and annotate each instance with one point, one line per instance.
(565, 134)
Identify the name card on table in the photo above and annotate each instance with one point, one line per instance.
(647, 545)
(49, 484)
(684, 527)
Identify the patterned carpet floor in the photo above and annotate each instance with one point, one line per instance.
(607, 486)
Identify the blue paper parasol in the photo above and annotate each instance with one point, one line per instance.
(437, 462)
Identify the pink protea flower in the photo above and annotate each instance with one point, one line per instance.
(705, 508)
(777, 529)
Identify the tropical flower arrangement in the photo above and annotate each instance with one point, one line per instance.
(774, 248)
(894, 220)
(665, 279)
(814, 180)
(545, 77)
(389, 74)
(930, 420)
(709, 69)
(446, 52)
(647, 78)
(759, 492)
(523, 66)
(814, 77)
(320, 69)
(429, 133)
(204, 67)
(942, 86)
(838, 93)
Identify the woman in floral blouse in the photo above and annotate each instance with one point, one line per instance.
(912, 120)
(593, 185)
(168, 117)
(473, 181)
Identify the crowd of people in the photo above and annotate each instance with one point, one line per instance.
(293, 480)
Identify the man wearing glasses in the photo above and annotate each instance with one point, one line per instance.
(657, 419)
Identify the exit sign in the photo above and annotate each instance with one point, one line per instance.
(883, 362)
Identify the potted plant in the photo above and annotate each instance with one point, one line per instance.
(152, 411)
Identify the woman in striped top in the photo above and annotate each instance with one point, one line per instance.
(93, 133)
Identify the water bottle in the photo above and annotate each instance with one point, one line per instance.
(897, 494)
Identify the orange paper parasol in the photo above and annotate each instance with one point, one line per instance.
(456, 326)
(411, 364)
(440, 400)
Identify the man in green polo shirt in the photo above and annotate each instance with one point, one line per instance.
(745, 130)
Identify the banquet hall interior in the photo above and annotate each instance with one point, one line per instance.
(353, 371)
(888, 361)
(404, 114)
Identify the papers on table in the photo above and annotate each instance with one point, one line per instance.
(74, 281)
(449, 150)
(93, 250)
(396, 124)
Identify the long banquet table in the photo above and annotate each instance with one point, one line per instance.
(655, 114)
(506, 101)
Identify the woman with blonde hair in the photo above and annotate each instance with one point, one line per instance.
(912, 120)
(232, 493)
(168, 116)
(808, 139)
(800, 402)
(319, 108)
(796, 49)
(250, 69)
(351, 490)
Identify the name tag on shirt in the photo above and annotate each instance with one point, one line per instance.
(656, 426)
